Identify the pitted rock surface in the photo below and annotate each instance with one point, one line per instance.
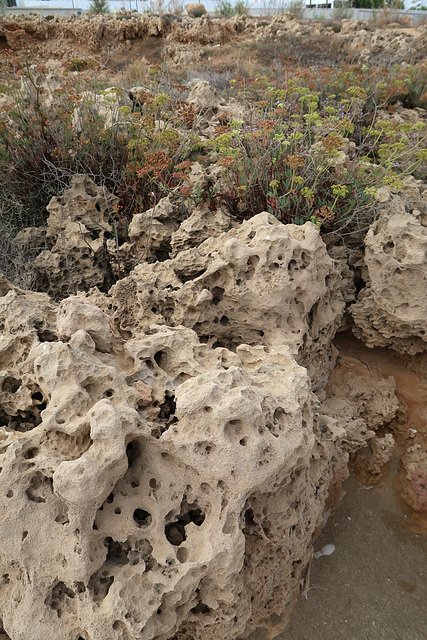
(263, 282)
(166, 488)
(77, 230)
(391, 310)
(414, 478)
(377, 403)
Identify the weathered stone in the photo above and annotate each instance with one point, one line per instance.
(376, 403)
(415, 478)
(391, 310)
(262, 282)
(167, 488)
(79, 313)
(76, 228)
(196, 10)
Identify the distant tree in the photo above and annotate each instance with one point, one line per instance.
(378, 4)
(368, 4)
(99, 6)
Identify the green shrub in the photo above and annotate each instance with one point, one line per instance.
(241, 7)
(197, 12)
(99, 6)
(290, 160)
(342, 11)
(286, 159)
(225, 8)
(297, 8)
(41, 148)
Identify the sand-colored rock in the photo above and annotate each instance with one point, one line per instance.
(376, 403)
(105, 105)
(183, 55)
(195, 10)
(207, 30)
(209, 104)
(201, 225)
(68, 37)
(76, 232)
(363, 403)
(79, 313)
(260, 283)
(26, 319)
(203, 96)
(415, 478)
(391, 310)
(382, 450)
(167, 488)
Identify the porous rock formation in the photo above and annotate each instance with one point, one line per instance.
(165, 464)
(165, 489)
(79, 248)
(76, 254)
(262, 282)
(391, 310)
(414, 470)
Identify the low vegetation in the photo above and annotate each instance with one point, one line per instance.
(315, 143)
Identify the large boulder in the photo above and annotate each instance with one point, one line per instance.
(163, 487)
(261, 283)
(391, 310)
(196, 10)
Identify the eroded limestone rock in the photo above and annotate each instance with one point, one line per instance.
(262, 282)
(78, 313)
(167, 488)
(208, 104)
(376, 403)
(25, 319)
(392, 309)
(77, 231)
(105, 105)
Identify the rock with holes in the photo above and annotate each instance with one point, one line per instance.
(77, 229)
(79, 313)
(204, 97)
(391, 310)
(168, 228)
(209, 104)
(261, 283)
(200, 225)
(26, 319)
(104, 105)
(164, 488)
(413, 478)
(150, 232)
